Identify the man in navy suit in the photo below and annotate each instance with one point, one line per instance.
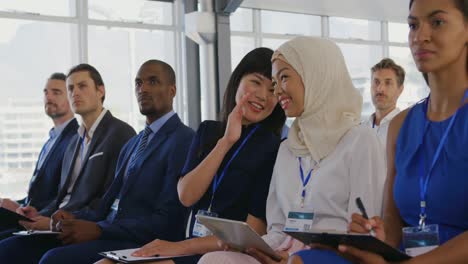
(44, 183)
(88, 165)
(142, 202)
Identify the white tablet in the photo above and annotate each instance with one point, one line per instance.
(238, 235)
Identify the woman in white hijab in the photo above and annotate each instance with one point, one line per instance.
(327, 161)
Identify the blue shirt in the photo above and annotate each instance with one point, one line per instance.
(54, 134)
(156, 125)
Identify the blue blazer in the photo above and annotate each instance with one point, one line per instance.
(98, 168)
(44, 184)
(149, 206)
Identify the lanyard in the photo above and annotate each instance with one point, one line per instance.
(424, 177)
(217, 180)
(304, 181)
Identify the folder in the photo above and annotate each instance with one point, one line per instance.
(10, 218)
(360, 241)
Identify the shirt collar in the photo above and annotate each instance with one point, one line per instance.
(57, 130)
(387, 118)
(158, 123)
(90, 133)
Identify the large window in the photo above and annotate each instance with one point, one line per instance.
(42, 37)
(363, 43)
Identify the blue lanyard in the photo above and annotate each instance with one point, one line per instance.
(304, 181)
(217, 180)
(424, 180)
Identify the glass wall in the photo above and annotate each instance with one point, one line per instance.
(42, 37)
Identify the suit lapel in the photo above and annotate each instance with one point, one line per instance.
(65, 178)
(159, 138)
(97, 138)
(120, 173)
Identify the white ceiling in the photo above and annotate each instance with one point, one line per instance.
(388, 10)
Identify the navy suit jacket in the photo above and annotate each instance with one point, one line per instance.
(44, 184)
(98, 168)
(149, 206)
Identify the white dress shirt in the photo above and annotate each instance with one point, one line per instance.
(382, 129)
(353, 169)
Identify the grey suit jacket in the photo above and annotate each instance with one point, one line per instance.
(98, 168)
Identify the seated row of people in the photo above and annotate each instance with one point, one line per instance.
(229, 165)
(326, 162)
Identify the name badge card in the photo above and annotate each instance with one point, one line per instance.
(419, 240)
(200, 230)
(299, 220)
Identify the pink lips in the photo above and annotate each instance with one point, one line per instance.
(423, 54)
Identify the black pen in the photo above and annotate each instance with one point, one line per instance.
(361, 207)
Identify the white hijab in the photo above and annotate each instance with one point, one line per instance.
(331, 105)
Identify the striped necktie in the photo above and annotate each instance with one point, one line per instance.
(138, 151)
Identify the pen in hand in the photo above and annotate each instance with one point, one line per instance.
(361, 208)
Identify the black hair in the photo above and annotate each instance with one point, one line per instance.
(58, 76)
(168, 70)
(93, 73)
(256, 61)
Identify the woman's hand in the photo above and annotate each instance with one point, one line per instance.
(234, 123)
(359, 224)
(160, 248)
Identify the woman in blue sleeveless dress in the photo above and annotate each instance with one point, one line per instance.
(427, 147)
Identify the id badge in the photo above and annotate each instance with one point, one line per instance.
(200, 230)
(418, 240)
(299, 221)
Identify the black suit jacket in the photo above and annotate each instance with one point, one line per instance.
(44, 183)
(98, 168)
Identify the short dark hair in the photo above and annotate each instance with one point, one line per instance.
(58, 76)
(388, 63)
(168, 70)
(93, 73)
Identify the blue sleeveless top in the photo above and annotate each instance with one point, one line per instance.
(447, 191)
